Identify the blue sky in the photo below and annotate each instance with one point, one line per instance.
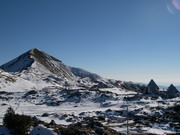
(133, 40)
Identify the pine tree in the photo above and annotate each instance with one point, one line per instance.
(8, 118)
(18, 124)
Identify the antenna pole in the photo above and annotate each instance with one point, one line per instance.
(127, 116)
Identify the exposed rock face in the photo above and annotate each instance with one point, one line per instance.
(26, 60)
(134, 86)
(101, 85)
(172, 89)
(52, 64)
(152, 87)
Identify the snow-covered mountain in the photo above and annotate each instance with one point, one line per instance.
(40, 85)
(37, 70)
(40, 61)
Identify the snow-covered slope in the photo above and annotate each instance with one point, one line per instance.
(18, 82)
(83, 73)
(41, 130)
(10, 82)
(107, 106)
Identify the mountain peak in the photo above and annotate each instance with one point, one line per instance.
(39, 59)
(172, 89)
(152, 87)
(34, 50)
